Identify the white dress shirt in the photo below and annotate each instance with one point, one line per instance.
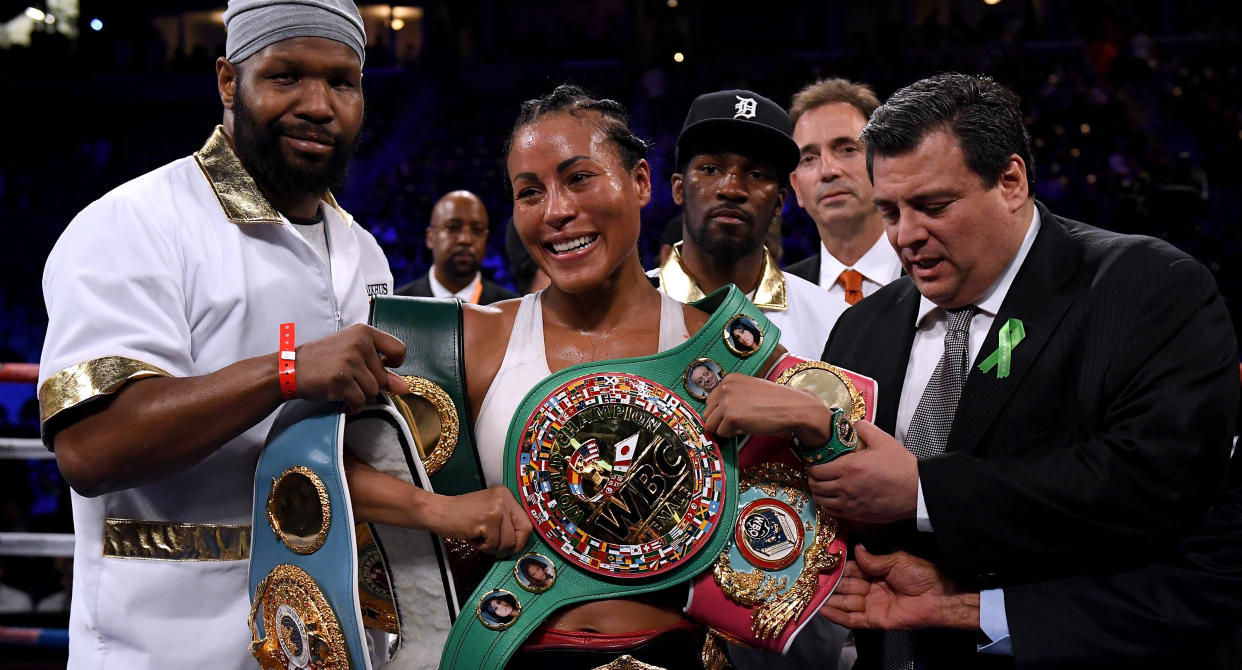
(879, 266)
(925, 353)
(466, 294)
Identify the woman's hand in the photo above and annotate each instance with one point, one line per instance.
(490, 520)
(745, 405)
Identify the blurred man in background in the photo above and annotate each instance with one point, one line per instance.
(831, 183)
(457, 238)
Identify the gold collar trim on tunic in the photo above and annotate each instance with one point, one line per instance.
(677, 282)
(239, 195)
(78, 383)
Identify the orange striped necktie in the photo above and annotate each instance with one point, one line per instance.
(852, 281)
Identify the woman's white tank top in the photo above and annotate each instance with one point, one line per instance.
(526, 364)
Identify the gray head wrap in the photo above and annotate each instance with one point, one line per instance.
(252, 25)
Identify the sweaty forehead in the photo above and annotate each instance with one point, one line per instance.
(557, 137)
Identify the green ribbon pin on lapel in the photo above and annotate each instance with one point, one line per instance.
(1010, 335)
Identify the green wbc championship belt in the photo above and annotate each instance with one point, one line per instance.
(626, 489)
(435, 406)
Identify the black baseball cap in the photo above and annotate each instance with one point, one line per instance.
(740, 121)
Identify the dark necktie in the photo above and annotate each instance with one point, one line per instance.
(929, 433)
(929, 427)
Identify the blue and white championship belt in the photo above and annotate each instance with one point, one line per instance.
(318, 581)
(323, 586)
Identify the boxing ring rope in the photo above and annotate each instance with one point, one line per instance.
(56, 638)
(36, 544)
(19, 372)
(21, 448)
(30, 544)
(24, 449)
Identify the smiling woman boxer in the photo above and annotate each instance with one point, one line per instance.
(579, 180)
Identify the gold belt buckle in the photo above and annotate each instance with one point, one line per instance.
(628, 662)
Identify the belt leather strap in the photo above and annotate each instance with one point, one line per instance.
(431, 329)
(305, 565)
(420, 586)
(472, 644)
(786, 556)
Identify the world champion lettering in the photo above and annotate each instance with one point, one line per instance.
(622, 412)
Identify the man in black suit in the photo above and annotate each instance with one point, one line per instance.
(832, 185)
(457, 237)
(1173, 613)
(1071, 392)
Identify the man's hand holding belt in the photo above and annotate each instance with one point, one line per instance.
(349, 366)
(876, 484)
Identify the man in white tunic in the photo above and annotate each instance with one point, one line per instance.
(733, 156)
(159, 376)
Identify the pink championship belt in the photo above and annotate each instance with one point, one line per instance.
(784, 556)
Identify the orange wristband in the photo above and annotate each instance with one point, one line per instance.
(287, 357)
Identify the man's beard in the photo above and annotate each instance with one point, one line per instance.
(464, 269)
(261, 153)
(725, 249)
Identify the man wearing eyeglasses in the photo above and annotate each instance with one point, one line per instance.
(457, 238)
